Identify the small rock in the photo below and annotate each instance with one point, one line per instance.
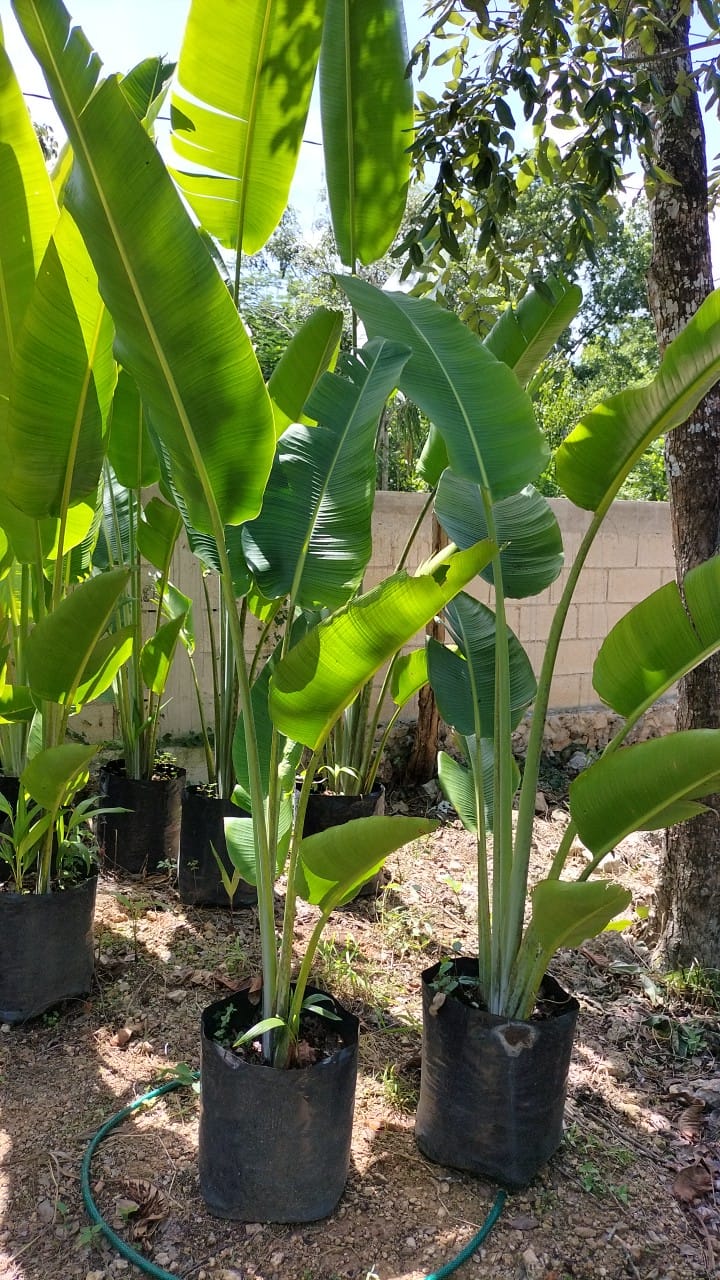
(46, 1211)
(617, 1067)
(531, 1262)
(95, 1275)
(6, 1026)
(522, 1222)
(277, 1259)
(252, 1229)
(410, 1244)
(541, 805)
(577, 762)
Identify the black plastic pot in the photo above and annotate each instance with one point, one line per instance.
(329, 810)
(46, 949)
(274, 1145)
(203, 826)
(492, 1091)
(149, 832)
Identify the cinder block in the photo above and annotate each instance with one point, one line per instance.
(592, 587)
(565, 691)
(632, 585)
(655, 551)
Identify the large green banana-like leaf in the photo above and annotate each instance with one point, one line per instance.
(524, 334)
(458, 782)
(464, 681)
(61, 647)
(639, 788)
(108, 656)
(527, 531)
(29, 214)
(16, 704)
(321, 675)
(145, 87)
(311, 352)
(660, 640)
(203, 545)
(62, 384)
(458, 786)
(238, 111)
(567, 913)
(158, 653)
(130, 448)
(366, 106)
(593, 461)
(177, 331)
(409, 674)
(475, 401)
(336, 862)
(313, 538)
(29, 537)
(240, 840)
(157, 533)
(52, 775)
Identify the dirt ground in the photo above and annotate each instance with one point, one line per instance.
(629, 1193)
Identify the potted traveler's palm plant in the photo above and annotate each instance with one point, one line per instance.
(497, 1028)
(56, 378)
(142, 787)
(205, 872)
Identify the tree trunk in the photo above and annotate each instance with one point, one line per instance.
(422, 762)
(679, 279)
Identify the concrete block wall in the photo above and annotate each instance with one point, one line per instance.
(631, 557)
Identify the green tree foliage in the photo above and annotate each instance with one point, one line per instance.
(547, 91)
(284, 283)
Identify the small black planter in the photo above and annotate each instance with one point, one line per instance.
(274, 1145)
(203, 825)
(47, 951)
(149, 833)
(492, 1091)
(329, 810)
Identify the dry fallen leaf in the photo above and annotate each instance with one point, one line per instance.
(692, 1182)
(122, 1037)
(437, 1003)
(690, 1121)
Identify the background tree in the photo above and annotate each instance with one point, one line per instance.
(592, 82)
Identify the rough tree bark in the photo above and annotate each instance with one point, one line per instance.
(422, 761)
(679, 279)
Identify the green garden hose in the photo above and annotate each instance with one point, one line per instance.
(144, 1264)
